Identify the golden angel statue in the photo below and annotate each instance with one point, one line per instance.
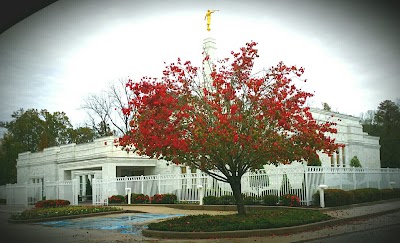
(208, 17)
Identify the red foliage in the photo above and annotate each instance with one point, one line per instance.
(51, 203)
(241, 120)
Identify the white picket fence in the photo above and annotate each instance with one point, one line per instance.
(29, 194)
(302, 181)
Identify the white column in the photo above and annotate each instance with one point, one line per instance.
(346, 156)
(109, 172)
(84, 185)
(340, 160)
(334, 155)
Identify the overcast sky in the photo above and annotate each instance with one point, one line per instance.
(57, 56)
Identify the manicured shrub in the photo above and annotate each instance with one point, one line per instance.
(366, 195)
(257, 219)
(2, 201)
(116, 199)
(51, 203)
(335, 197)
(163, 199)
(210, 200)
(270, 200)
(138, 198)
(251, 200)
(390, 194)
(314, 161)
(355, 162)
(290, 200)
(226, 200)
(40, 213)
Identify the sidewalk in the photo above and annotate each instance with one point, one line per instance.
(347, 219)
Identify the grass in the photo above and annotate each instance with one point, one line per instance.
(266, 219)
(42, 213)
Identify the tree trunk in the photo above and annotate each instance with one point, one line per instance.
(236, 186)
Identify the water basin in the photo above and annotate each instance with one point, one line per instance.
(132, 223)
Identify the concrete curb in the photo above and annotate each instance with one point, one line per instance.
(260, 232)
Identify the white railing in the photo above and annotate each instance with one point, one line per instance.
(66, 190)
(302, 181)
(29, 194)
(23, 194)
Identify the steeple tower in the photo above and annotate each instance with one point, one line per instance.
(209, 48)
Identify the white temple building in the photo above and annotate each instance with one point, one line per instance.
(101, 159)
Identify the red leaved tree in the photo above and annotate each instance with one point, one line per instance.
(238, 124)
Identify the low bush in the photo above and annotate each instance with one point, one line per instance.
(226, 200)
(3, 201)
(163, 199)
(270, 200)
(355, 162)
(251, 200)
(265, 219)
(366, 195)
(390, 194)
(290, 200)
(138, 198)
(52, 203)
(210, 200)
(116, 199)
(335, 197)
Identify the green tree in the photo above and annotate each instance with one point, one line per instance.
(34, 130)
(326, 107)
(355, 162)
(385, 123)
(81, 135)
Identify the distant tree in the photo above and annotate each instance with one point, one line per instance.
(33, 130)
(355, 162)
(103, 109)
(238, 124)
(385, 123)
(326, 107)
(9, 150)
(81, 135)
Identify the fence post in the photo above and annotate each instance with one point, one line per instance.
(201, 194)
(321, 195)
(142, 182)
(159, 184)
(94, 191)
(306, 189)
(75, 189)
(126, 181)
(26, 194)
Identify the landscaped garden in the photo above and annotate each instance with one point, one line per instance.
(263, 219)
(48, 209)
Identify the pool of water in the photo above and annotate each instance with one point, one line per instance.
(126, 224)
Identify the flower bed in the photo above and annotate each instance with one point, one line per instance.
(48, 213)
(52, 203)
